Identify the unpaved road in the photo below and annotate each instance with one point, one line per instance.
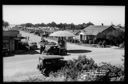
(16, 65)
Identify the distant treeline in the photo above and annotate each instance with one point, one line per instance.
(60, 25)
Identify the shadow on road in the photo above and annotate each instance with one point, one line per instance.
(22, 52)
(8, 55)
(79, 51)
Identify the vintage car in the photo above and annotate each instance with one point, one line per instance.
(32, 45)
(51, 48)
(55, 50)
(50, 63)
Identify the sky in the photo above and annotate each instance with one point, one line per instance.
(77, 14)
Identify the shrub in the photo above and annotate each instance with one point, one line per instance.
(86, 69)
(74, 68)
(112, 72)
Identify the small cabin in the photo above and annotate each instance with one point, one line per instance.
(10, 40)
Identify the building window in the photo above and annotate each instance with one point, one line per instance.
(5, 44)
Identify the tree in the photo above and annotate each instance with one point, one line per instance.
(119, 25)
(5, 24)
(79, 26)
(53, 24)
(89, 23)
(42, 24)
(37, 25)
(60, 25)
(84, 25)
(28, 24)
(72, 26)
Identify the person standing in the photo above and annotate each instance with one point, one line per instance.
(42, 48)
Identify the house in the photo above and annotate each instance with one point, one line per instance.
(75, 32)
(10, 40)
(113, 35)
(90, 32)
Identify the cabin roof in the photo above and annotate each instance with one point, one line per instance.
(10, 33)
(94, 29)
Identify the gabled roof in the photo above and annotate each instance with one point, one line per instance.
(94, 29)
(75, 32)
(111, 31)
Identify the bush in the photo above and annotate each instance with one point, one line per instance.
(111, 72)
(86, 69)
(74, 68)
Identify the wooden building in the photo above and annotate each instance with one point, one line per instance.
(10, 40)
(90, 32)
(114, 35)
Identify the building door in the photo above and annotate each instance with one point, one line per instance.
(80, 37)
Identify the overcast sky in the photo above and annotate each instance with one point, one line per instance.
(17, 14)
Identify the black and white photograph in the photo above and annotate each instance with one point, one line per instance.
(63, 43)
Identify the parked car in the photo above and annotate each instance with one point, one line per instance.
(46, 64)
(55, 50)
(33, 45)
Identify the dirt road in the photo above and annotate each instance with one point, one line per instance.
(24, 64)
